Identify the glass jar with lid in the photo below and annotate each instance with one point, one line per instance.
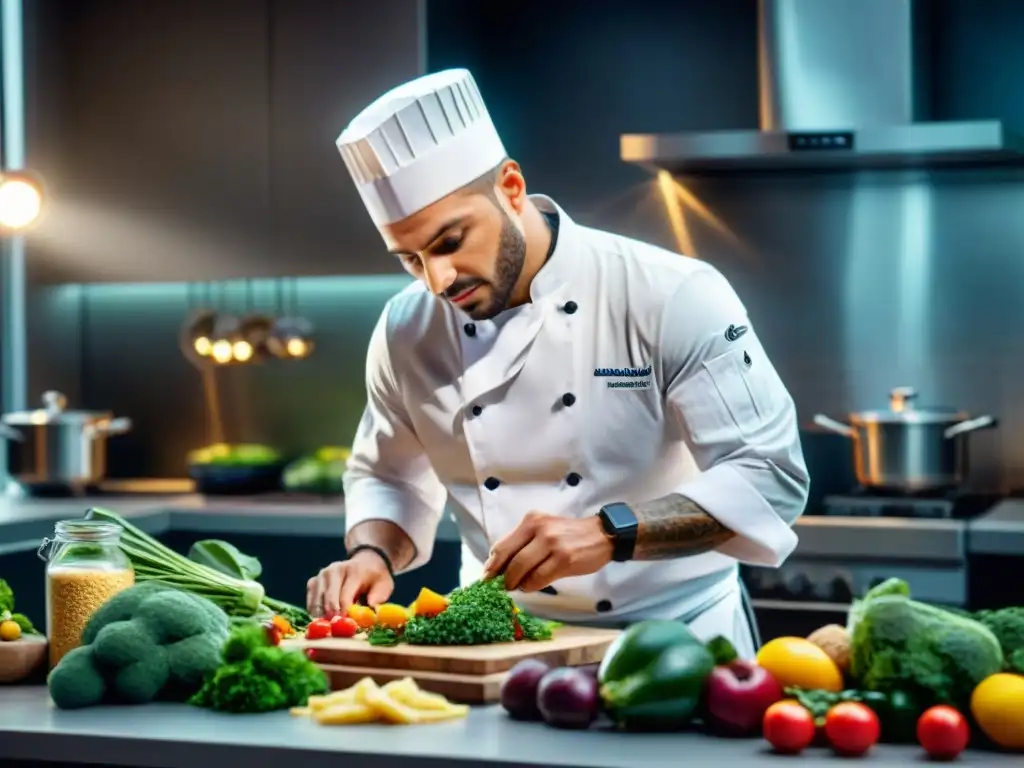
(85, 568)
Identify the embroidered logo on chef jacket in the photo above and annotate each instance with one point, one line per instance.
(626, 378)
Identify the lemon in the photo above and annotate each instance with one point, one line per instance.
(797, 662)
(998, 707)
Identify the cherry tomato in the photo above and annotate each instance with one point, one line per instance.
(311, 654)
(943, 732)
(788, 727)
(852, 728)
(318, 629)
(343, 626)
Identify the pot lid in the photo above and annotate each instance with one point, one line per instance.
(902, 410)
(53, 412)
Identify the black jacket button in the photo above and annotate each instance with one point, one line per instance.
(573, 479)
(470, 329)
(603, 606)
(570, 307)
(477, 410)
(549, 590)
(492, 483)
(568, 399)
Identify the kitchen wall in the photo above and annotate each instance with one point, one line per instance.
(858, 282)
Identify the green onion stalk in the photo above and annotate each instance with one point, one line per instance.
(153, 561)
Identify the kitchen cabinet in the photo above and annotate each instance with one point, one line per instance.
(194, 140)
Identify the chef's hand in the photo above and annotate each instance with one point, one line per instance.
(545, 548)
(341, 584)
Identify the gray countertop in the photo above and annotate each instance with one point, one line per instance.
(25, 521)
(178, 736)
(1000, 531)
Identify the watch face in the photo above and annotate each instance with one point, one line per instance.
(620, 516)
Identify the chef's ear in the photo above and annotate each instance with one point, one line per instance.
(512, 185)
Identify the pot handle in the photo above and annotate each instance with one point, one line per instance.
(971, 425)
(10, 433)
(833, 426)
(108, 428)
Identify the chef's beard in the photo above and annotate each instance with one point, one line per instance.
(508, 266)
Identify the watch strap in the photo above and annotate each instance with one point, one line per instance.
(377, 551)
(621, 525)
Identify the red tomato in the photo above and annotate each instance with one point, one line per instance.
(788, 727)
(943, 732)
(343, 626)
(852, 728)
(318, 629)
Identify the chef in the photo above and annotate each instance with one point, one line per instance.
(598, 414)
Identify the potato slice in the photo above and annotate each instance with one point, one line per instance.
(364, 687)
(346, 713)
(397, 713)
(300, 711)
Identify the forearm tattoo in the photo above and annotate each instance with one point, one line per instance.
(385, 535)
(673, 526)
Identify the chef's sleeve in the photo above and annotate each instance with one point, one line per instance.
(388, 475)
(737, 418)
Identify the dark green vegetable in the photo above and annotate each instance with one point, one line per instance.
(897, 711)
(480, 613)
(383, 636)
(225, 557)
(936, 656)
(1007, 624)
(723, 651)
(653, 676)
(146, 643)
(256, 676)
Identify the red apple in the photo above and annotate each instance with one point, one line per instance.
(737, 696)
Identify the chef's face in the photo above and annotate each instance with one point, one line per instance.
(469, 247)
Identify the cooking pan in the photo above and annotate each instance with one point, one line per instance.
(909, 449)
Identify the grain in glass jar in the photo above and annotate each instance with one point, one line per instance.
(85, 568)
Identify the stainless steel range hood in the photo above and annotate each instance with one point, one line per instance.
(843, 84)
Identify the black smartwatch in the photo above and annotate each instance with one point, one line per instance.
(620, 524)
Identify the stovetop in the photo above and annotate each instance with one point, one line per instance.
(957, 504)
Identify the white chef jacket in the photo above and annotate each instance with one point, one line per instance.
(633, 373)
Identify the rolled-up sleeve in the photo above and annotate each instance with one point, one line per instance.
(388, 476)
(736, 416)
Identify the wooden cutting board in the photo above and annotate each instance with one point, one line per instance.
(570, 647)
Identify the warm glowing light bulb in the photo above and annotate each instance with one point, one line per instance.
(221, 351)
(242, 351)
(296, 347)
(20, 203)
(203, 346)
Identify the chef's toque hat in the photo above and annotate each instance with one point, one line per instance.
(419, 143)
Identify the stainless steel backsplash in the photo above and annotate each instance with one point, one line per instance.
(858, 283)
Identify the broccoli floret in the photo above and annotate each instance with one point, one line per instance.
(76, 681)
(1007, 624)
(259, 677)
(243, 640)
(240, 688)
(148, 642)
(297, 676)
(935, 655)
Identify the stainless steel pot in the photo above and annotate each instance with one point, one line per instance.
(61, 447)
(907, 448)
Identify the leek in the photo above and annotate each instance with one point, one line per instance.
(153, 561)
